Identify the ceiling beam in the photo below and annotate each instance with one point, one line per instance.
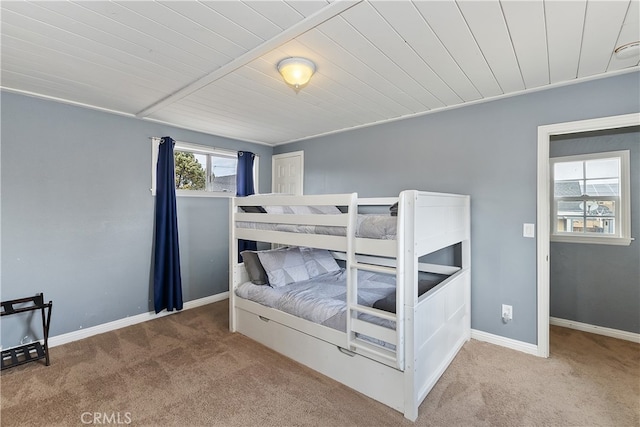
(333, 9)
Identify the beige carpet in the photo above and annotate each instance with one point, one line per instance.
(187, 369)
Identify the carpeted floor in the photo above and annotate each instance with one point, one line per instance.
(189, 370)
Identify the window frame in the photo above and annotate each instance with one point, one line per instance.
(198, 149)
(623, 209)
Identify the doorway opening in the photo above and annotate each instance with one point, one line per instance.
(545, 134)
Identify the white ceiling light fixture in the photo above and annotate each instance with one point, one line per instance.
(628, 50)
(296, 72)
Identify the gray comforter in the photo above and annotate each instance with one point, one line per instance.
(323, 299)
(368, 226)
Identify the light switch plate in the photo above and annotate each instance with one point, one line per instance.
(529, 230)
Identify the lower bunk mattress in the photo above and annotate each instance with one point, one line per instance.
(322, 299)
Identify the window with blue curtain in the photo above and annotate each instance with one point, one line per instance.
(167, 282)
(245, 187)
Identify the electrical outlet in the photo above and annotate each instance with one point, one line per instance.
(507, 312)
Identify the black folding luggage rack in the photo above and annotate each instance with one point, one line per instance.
(35, 350)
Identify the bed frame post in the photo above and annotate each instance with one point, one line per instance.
(466, 264)
(233, 263)
(409, 259)
(400, 290)
(352, 270)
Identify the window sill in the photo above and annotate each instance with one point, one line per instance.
(183, 193)
(617, 241)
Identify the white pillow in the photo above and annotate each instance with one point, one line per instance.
(318, 261)
(283, 266)
(278, 209)
(324, 209)
(302, 210)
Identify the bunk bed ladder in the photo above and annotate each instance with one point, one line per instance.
(375, 268)
(357, 325)
(369, 329)
(353, 308)
(352, 270)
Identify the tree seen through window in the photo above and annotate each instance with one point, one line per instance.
(190, 173)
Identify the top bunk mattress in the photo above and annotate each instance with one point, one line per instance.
(371, 226)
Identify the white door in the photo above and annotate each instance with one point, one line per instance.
(287, 172)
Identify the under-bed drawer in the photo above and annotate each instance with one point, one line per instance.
(369, 377)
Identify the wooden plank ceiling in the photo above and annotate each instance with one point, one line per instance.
(211, 65)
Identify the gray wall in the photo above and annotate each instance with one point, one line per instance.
(599, 284)
(489, 151)
(77, 215)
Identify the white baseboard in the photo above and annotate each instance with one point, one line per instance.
(504, 342)
(600, 330)
(128, 321)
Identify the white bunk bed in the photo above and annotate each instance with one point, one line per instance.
(429, 329)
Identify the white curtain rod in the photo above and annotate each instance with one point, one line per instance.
(196, 147)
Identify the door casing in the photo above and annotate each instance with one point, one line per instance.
(544, 207)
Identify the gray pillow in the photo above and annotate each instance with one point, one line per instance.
(318, 261)
(283, 266)
(394, 209)
(253, 209)
(254, 268)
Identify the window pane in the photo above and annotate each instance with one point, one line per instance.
(600, 225)
(575, 225)
(603, 187)
(567, 170)
(601, 208)
(570, 208)
(603, 168)
(190, 170)
(567, 189)
(223, 174)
